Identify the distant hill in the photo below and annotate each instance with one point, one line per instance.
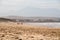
(33, 19)
(5, 20)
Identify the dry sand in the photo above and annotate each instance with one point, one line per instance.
(14, 31)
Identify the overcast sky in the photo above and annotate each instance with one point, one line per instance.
(14, 7)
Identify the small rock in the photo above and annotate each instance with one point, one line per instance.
(20, 39)
(16, 38)
(2, 36)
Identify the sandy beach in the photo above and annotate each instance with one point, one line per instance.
(14, 31)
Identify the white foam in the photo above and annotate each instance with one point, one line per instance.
(46, 24)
